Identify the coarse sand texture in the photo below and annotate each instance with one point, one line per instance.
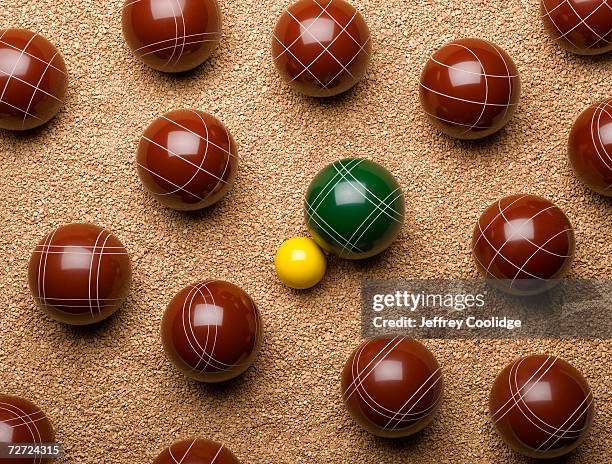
(109, 390)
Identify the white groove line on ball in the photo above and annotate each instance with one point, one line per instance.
(8, 79)
(338, 23)
(512, 402)
(596, 127)
(229, 153)
(363, 393)
(184, 455)
(409, 401)
(188, 36)
(486, 82)
(179, 156)
(463, 99)
(26, 53)
(199, 167)
(36, 90)
(29, 424)
(325, 48)
(297, 39)
(344, 171)
(89, 280)
(357, 380)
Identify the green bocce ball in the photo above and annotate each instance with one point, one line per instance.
(354, 208)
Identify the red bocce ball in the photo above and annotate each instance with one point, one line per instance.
(212, 331)
(580, 26)
(470, 88)
(523, 243)
(590, 147)
(23, 423)
(541, 406)
(392, 386)
(196, 451)
(172, 35)
(80, 274)
(187, 159)
(321, 47)
(33, 80)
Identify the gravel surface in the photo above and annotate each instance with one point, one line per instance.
(109, 390)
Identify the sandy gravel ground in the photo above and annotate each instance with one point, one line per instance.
(110, 391)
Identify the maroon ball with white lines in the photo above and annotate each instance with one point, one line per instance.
(79, 274)
(392, 386)
(579, 26)
(172, 35)
(196, 451)
(23, 423)
(33, 80)
(470, 88)
(187, 160)
(524, 244)
(321, 48)
(590, 147)
(212, 331)
(541, 406)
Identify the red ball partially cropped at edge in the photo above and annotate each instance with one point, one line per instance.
(212, 331)
(579, 26)
(79, 274)
(524, 243)
(590, 147)
(470, 88)
(196, 451)
(541, 406)
(321, 48)
(23, 423)
(33, 80)
(172, 35)
(187, 160)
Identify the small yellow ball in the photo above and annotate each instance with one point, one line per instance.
(300, 263)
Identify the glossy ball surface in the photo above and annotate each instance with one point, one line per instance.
(212, 331)
(525, 241)
(579, 26)
(80, 274)
(470, 88)
(172, 35)
(541, 406)
(33, 79)
(299, 263)
(196, 451)
(392, 386)
(321, 48)
(187, 160)
(354, 208)
(22, 422)
(590, 147)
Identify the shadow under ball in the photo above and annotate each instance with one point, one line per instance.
(79, 274)
(172, 35)
(23, 423)
(187, 160)
(523, 243)
(470, 88)
(590, 147)
(33, 77)
(354, 208)
(541, 406)
(392, 386)
(196, 451)
(321, 49)
(579, 26)
(212, 331)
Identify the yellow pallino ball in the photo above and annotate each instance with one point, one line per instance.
(300, 263)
